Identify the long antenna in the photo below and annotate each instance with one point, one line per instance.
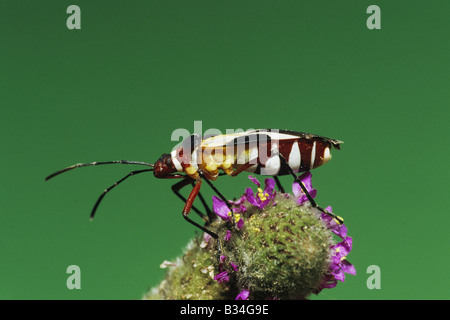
(113, 186)
(79, 165)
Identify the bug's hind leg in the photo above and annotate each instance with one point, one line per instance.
(305, 191)
(279, 186)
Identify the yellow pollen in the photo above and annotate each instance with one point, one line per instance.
(261, 195)
(237, 217)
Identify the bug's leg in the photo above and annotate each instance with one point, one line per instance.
(113, 186)
(305, 191)
(249, 165)
(187, 209)
(242, 168)
(181, 184)
(209, 213)
(280, 187)
(219, 194)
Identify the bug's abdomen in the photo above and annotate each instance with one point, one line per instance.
(305, 154)
(300, 154)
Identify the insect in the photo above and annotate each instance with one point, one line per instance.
(203, 159)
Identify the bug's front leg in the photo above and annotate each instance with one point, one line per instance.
(187, 209)
(185, 182)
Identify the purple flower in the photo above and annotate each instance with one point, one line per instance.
(227, 236)
(234, 266)
(305, 178)
(222, 277)
(339, 264)
(332, 224)
(223, 211)
(328, 282)
(243, 295)
(262, 197)
(238, 205)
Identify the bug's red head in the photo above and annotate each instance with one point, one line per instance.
(164, 167)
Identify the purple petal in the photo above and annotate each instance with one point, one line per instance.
(341, 250)
(250, 196)
(325, 217)
(222, 277)
(296, 189)
(234, 266)
(240, 224)
(306, 180)
(347, 267)
(269, 186)
(329, 284)
(264, 203)
(221, 209)
(239, 201)
(335, 264)
(337, 228)
(339, 275)
(243, 295)
(340, 230)
(227, 236)
(348, 243)
(255, 181)
(304, 198)
(240, 209)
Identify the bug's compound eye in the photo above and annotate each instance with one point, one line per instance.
(158, 169)
(170, 164)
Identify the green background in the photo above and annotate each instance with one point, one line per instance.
(138, 70)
